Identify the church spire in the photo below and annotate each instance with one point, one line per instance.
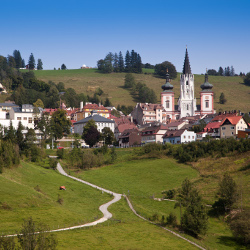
(186, 66)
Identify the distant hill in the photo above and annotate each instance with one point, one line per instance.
(87, 80)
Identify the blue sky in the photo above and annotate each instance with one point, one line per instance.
(77, 32)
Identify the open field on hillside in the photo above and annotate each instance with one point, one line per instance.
(142, 179)
(87, 80)
(33, 191)
(145, 179)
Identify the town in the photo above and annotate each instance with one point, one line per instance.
(147, 123)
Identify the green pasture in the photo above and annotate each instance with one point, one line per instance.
(33, 191)
(88, 80)
(144, 180)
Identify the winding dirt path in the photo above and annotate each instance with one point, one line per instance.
(103, 208)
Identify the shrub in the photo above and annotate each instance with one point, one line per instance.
(172, 219)
(239, 224)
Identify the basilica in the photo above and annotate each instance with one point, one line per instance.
(187, 102)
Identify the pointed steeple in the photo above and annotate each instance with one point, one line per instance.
(186, 66)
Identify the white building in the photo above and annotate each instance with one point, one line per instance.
(100, 121)
(25, 114)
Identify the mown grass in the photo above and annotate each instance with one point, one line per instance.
(88, 80)
(145, 179)
(33, 191)
(123, 231)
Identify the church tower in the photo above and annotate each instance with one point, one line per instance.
(207, 97)
(167, 98)
(187, 102)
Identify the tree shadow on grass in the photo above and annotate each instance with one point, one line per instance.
(230, 242)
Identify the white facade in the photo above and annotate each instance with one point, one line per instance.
(188, 136)
(24, 114)
(187, 102)
(100, 122)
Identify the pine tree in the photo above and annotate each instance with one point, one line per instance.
(116, 63)
(139, 64)
(221, 71)
(31, 62)
(127, 62)
(39, 64)
(18, 58)
(121, 62)
(23, 63)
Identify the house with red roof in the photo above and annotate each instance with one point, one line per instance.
(231, 125)
(88, 108)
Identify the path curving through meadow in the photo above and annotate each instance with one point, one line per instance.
(103, 208)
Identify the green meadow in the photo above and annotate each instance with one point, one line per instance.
(88, 80)
(32, 190)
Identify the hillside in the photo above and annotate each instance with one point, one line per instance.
(87, 80)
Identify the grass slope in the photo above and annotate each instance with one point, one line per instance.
(87, 80)
(147, 178)
(20, 199)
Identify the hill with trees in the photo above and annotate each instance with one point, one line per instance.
(87, 81)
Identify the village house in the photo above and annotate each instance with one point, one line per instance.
(100, 121)
(231, 125)
(129, 137)
(147, 113)
(153, 134)
(85, 111)
(26, 114)
(179, 136)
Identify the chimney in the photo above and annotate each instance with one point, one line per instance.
(81, 106)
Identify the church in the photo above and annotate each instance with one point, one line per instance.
(187, 101)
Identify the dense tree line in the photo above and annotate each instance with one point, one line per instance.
(196, 150)
(227, 71)
(114, 62)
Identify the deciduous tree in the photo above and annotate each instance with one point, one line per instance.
(90, 133)
(160, 69)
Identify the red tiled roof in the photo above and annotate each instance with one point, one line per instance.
(95, 106)
(233, 120)
(212, 125)
(125, 126)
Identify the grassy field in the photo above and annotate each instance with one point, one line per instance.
(145, 179)
(36, 189)
(88, 80)
(30, 190)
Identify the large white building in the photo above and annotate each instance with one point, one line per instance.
(187, 101)
(100, 121)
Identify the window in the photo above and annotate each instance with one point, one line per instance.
(232, 133)
(223, 128)
(187, 106)
(30, 119)
(184, 137)
(25, 118)
(167, 104)
(207, 104)
(232, 127)
(19, 118)
(186, 82)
